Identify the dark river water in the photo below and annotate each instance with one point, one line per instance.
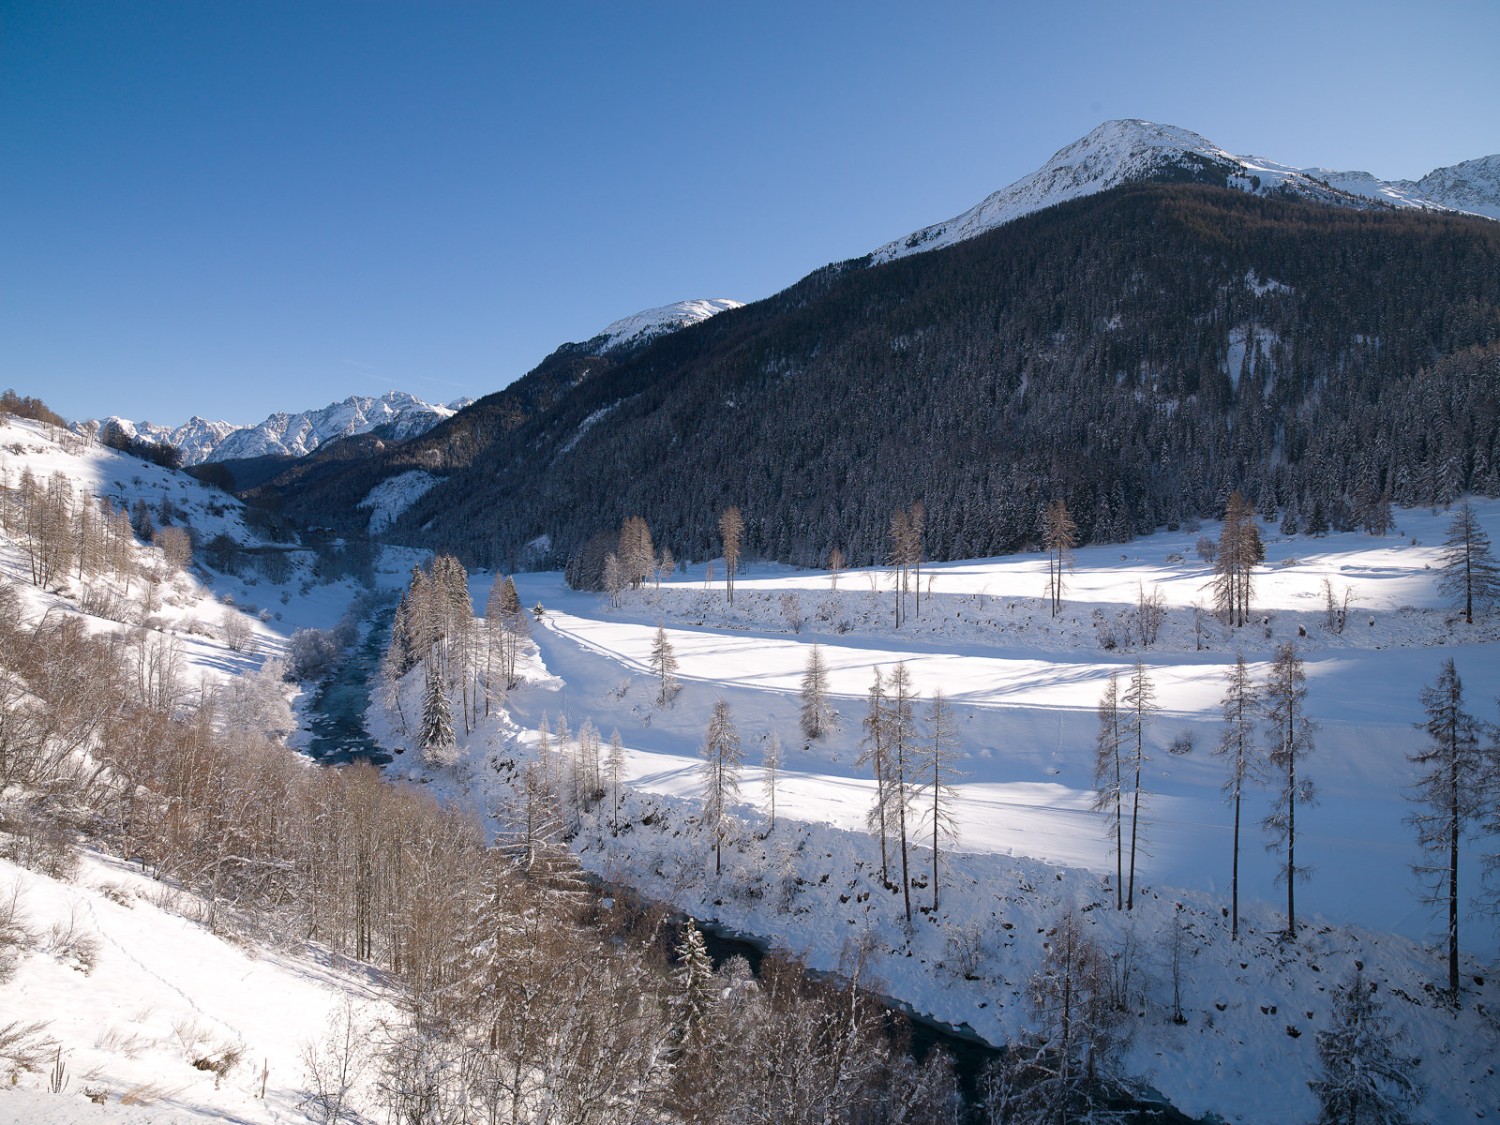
(337, 711)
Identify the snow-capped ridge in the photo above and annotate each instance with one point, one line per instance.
(1130, 151)
(399, 415)
(648, 324)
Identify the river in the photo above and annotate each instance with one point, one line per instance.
(339, 736)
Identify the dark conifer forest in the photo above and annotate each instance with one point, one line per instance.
(1139, 354)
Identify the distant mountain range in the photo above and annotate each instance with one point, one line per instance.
(395, 416)
(1134, 151)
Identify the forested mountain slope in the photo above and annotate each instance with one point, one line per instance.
(1139, 353)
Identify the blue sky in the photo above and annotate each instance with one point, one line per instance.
(229, 208)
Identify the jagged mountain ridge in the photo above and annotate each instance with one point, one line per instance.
(397, 415)
(1132, 151)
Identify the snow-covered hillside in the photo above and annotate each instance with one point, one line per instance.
(1119, 152)
(642, 327)
(1024, 688)
(398, 414)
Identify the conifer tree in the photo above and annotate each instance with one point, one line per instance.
(876, 754)
(437, 739)
(1237, 746)
(1240, 551)
(901, 736)
(1284, 697)
(694, 981)
(1140, 703)
(664, 665)
(936, 767)
(616, 770)
(816, 714)
(771, 773)
(1450, 796)
(731, 529)
(1469, 572)
(1109, 792)
(1059, 537)
(721, 777)
(1364, 1077)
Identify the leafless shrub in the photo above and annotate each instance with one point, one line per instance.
(333, 1066)
(15, 938)
(964, 952)
(23, 1047)
(73, 945)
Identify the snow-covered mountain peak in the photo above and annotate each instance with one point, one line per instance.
(397, 414)
(651, 323)
(1133, 150)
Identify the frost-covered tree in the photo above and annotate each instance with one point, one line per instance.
(1238, 747)
(1364, 1078)
(1109, 792)
(1290, 731)
(693, 984)
(901, 737)
(664, 666)
(1139, 705)
(816, 713)
(1062, 1070)
(1469, 572)
(876, 754)
(771, 774)
(1450, 795)
(721, 777)
(615, 768)
(936, 768)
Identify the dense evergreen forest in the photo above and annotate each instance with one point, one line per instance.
(1139, 354)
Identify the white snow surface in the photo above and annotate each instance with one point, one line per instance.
(394, 495)
(651, 323)
(163, 991)
(1123, 151)
(1024, 688)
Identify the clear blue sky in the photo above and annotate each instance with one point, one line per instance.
(226, 208)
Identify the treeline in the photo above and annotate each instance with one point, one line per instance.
(1139, 355)
(25, 406)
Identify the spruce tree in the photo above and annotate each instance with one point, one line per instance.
(816, 714)
(437, 738)
(1364, 1077)
(1469, 572)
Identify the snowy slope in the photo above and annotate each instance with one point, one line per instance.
(1119, 152)
(1023, 688)
(131, 993)
(1473, 186)
(644, 326)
